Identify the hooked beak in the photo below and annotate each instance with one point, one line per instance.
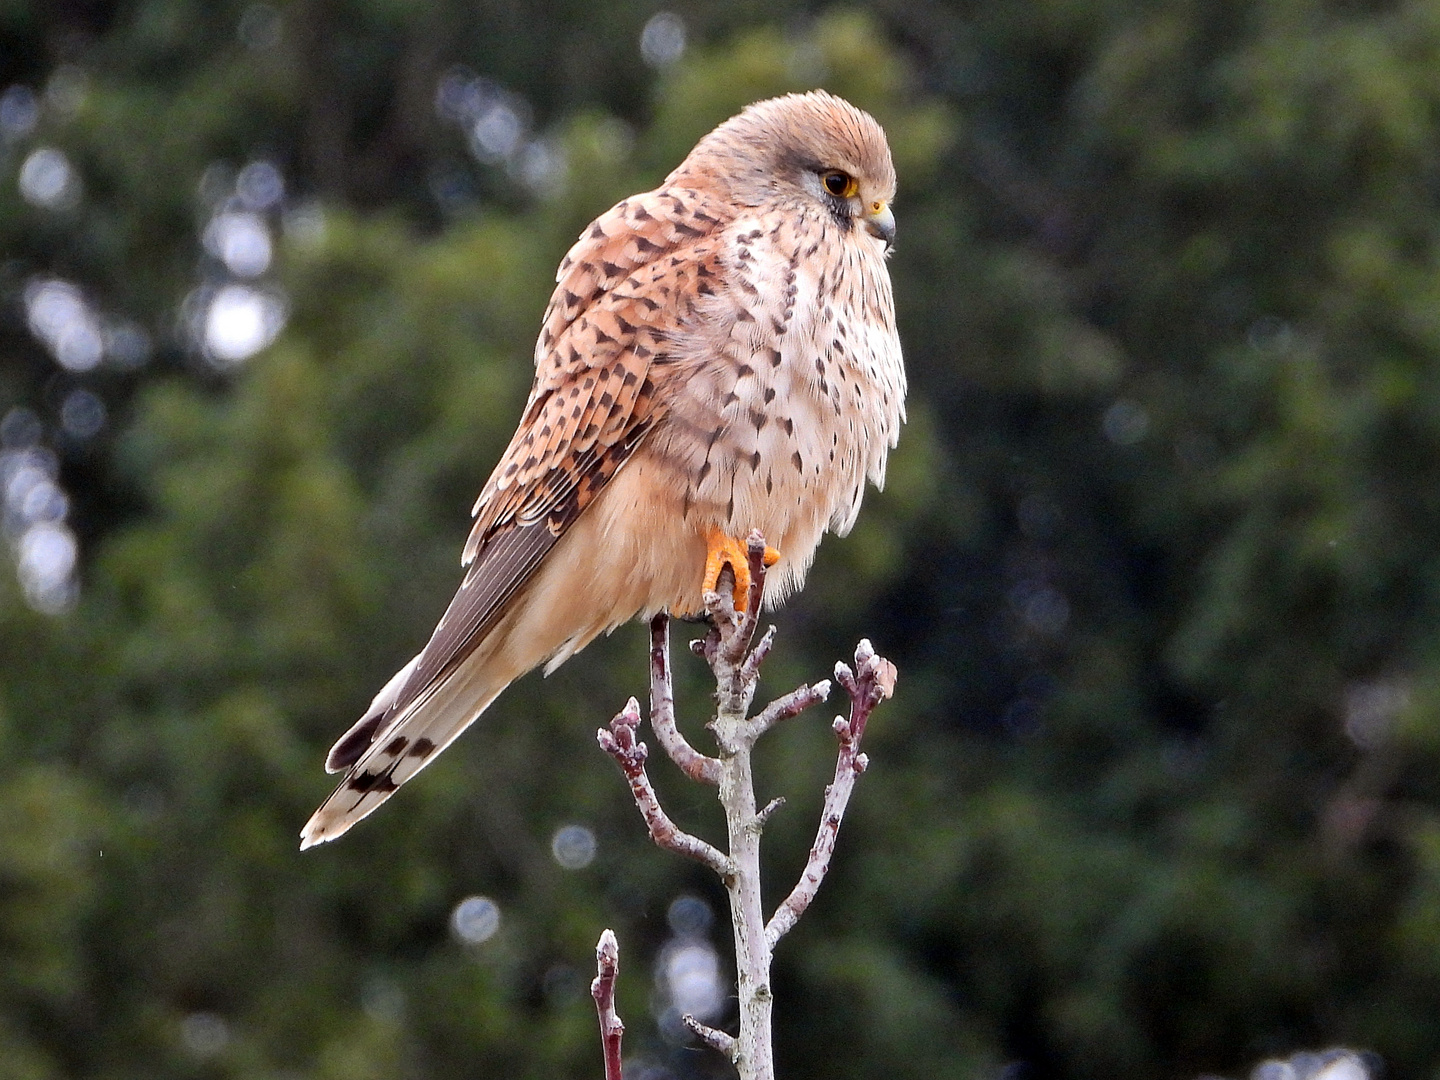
(881, 222)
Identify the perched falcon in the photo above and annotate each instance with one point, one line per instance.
(719, 355)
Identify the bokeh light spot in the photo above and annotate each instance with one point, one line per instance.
(82, 414)
(691, 976)
(495, 135)
(204, 1034)
(59, 317)
(476, 919)
(45, 503)
(20, 429)
(689, 916)
(260, 186)
(241, 241)
(1371, 710)
(217, 183)
(19, 112)
(494, 119)
(542, 167)
(1126, 422)
(24, 474)
(47, 554)
(574, 847)
(65, 91)
(48, 180)
(240, 321)
(662, 42)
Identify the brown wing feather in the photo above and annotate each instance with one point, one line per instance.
(592, 403)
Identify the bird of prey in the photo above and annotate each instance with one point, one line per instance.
(719, 355)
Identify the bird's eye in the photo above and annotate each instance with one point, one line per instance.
(839, 184)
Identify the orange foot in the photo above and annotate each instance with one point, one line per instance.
(720, 550)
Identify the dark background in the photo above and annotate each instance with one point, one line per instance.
(1157, 562)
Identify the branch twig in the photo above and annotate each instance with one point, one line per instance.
(726, 647)
(602, 989)
(694, 764)
(749, 619)
(714, 1037)
(620, 743)
(792, 704)
(871, 683)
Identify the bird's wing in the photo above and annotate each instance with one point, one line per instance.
(623, 290)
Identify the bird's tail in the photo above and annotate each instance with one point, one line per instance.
(382, 751)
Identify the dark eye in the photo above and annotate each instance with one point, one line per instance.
(838, 183)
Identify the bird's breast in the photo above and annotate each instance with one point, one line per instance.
(789, 388)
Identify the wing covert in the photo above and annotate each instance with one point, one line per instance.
(622, 291)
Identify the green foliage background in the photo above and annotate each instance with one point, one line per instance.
(1164, 520)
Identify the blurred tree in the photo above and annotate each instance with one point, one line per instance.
(1156, 557)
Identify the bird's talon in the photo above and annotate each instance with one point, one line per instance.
(722, 551)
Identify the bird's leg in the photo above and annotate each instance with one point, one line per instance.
(722, 550)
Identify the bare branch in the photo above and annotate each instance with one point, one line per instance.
(720, 608)
(602, 989)
(750, 669)
(620, 743)
(764, 815)
(792, 704)
(727, 648)
(744, 630)
(732, 630)
(713, 1036)
(724, 649)
(694, 764)
(874, 683)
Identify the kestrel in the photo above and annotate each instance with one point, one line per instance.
(719, 355)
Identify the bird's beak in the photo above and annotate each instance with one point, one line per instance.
(881, 222)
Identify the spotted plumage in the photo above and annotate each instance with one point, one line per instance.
(719, 355)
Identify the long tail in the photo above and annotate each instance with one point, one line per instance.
(380, 753)
(600, 573)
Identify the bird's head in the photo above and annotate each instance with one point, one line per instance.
(815, 147)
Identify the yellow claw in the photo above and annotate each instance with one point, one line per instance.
(721, 550)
